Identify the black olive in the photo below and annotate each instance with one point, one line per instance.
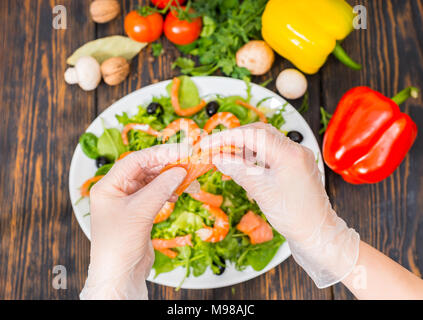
(221, 266)
(295, 136)
(101, 161)
(155, 108)
(211, 108)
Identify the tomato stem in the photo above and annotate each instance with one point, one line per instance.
(403, 95)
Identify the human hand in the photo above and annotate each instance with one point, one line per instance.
(287, 186)
(123, 206)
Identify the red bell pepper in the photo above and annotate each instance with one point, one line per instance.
(368, 136)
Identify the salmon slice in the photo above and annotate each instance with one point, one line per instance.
(249, 222)
(255, 227)
(214, 200)
(160, 244)
(261, 234)
(165, 212)
(170, 253)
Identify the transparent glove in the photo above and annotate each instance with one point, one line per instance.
(123, 205)
(283, 178)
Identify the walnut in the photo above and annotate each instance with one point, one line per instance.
(103, 11)
(114, 70)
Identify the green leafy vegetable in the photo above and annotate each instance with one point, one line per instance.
(208, 27)
(261, 254)
(324, 119)
(88, 142)
(277, 120)
(102, 171)
(188, 92)
(157, 49)
(305, 104)
(266, 82)
(162, 263)
(187, 66)
(110, 144)
(228, 25)
(105, 48)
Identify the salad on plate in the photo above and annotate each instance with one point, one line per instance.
(210, 226)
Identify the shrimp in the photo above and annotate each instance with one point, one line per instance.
(211, 199)
(137, 126)
(188, 126)
(165, 212)
(225, 118)
(174, 95)
(197, 165)
(250, 107)
(221, 226)
(164, 245)
(255, 227)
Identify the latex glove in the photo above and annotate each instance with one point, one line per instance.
(123, 205)
(288, 188)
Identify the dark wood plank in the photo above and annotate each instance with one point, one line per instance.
(388, 215)
(42, 119)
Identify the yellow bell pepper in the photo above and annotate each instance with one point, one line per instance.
(306, 31)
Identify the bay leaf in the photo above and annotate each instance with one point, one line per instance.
(105, 48)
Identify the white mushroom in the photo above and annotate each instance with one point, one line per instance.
(291, 84)
(256, 56)
(86, 73)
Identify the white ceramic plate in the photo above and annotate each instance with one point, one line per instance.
(83, 168)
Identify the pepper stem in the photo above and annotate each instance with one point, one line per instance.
(403, 95)
(342, 56)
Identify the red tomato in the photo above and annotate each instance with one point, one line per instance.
(182, 32)
(161, 4)
(143, 29)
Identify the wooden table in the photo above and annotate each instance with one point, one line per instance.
(42, 119)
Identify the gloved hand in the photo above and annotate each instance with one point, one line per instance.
(287, 186)
(123, 205)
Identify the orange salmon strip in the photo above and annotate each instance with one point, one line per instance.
(86, 187)
(257, 111)
(170, 253)
(174, 95)
(211, 199)
(255, 227)
(182, 241)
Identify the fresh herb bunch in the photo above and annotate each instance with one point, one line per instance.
(227, 26)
